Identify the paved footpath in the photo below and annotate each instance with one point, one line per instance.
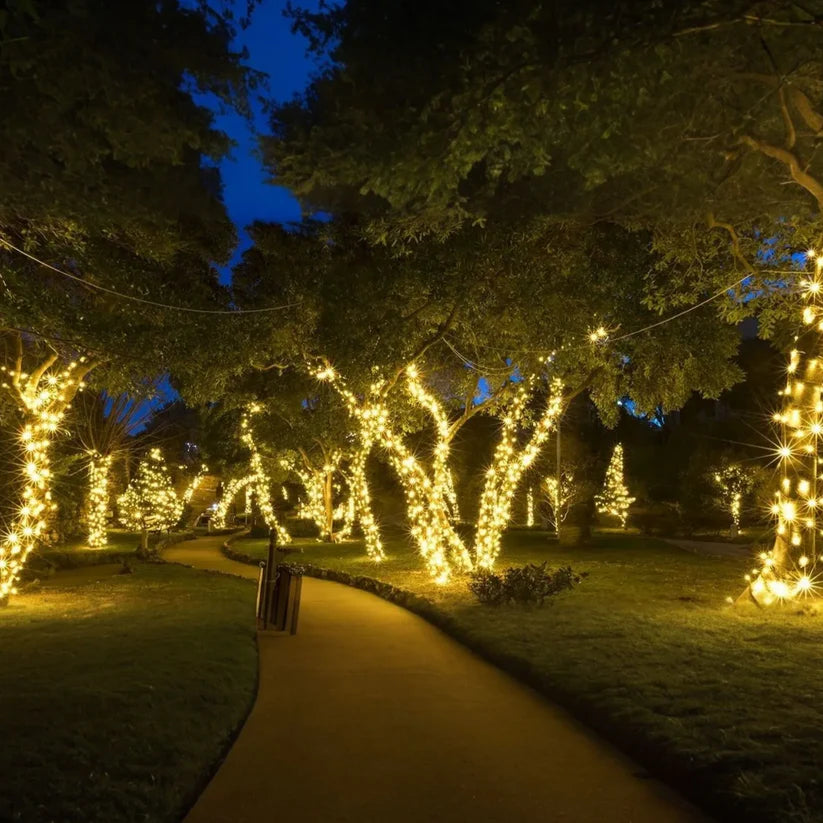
(370, 714)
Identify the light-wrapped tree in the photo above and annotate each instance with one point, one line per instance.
(150, 502)
(615, 499)
(734, 482)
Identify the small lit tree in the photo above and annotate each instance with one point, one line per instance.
(150, 502)
(559, 498)
(735, 482)
(104, 424)
(615, 498)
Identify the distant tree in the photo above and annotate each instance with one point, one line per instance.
(150, 502)
(734, 481)
(615, 499)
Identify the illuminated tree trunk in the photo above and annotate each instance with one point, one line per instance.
(43, 397)
(99, 466)
(506, 471)
(318, 482)
(328, 504)
(261, 485)
(429, 520)
(430, 523)
(361, 503)
(790, 570)
(234, 487)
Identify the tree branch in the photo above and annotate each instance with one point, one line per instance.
(423, 347)
(37, 374)
(790, 160)
(736, 250)
(804, 108)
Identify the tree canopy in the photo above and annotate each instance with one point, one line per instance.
(109, 174)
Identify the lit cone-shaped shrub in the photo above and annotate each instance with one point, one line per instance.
(615, 499)
(150, 502)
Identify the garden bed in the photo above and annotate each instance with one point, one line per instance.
(647, 651)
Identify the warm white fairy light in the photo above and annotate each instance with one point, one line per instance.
(507, 469)
(788, 570)
(318, 483)
(615, 498)
(260, 484)
(559, 497)
(97, 520)
(734, 482)
(230, 491)
(42, 398)
(150, 502)
(428, 514)
(442, 478)
(195, 484)
(530, 507)
(347, 512)
(360, 509)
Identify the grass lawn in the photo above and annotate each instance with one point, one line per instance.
(723, 701)
(121, 691)
(119, 540)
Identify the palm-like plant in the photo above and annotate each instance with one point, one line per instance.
(105, 427)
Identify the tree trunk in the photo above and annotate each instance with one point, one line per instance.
(144, 541)
(584, 537)
(328, 506)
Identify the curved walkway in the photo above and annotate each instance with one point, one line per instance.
(370, 714)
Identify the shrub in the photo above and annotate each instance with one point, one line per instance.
(302, 527)
(523, 585)
(657, 518)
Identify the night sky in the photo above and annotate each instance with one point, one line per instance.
(275, 50)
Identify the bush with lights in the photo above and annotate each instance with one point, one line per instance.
(150, 502)
(615, 499)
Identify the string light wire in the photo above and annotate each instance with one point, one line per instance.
(134, 299)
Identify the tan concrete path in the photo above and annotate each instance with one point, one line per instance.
(370, 714)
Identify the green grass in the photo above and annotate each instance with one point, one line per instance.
(119, 541)
(121, 692)
(723, 701)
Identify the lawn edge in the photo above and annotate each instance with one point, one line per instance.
(208, 775)
(696, 785)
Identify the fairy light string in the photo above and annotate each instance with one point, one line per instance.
(98, 501)
(614, 499)
(260, 483)
(790, 569)
(42, 398)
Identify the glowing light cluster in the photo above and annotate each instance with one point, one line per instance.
(442, 478)
(234, 487)
(428, 513)
(97, 519)
(507, 468)
(734, 482)
(260, 484)
(789, 570)
(150, 502)
(42, 398)
(319, 486)
(530, 507)
(615, 499)
(195, 484)
(559, 497)
(359, 509)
